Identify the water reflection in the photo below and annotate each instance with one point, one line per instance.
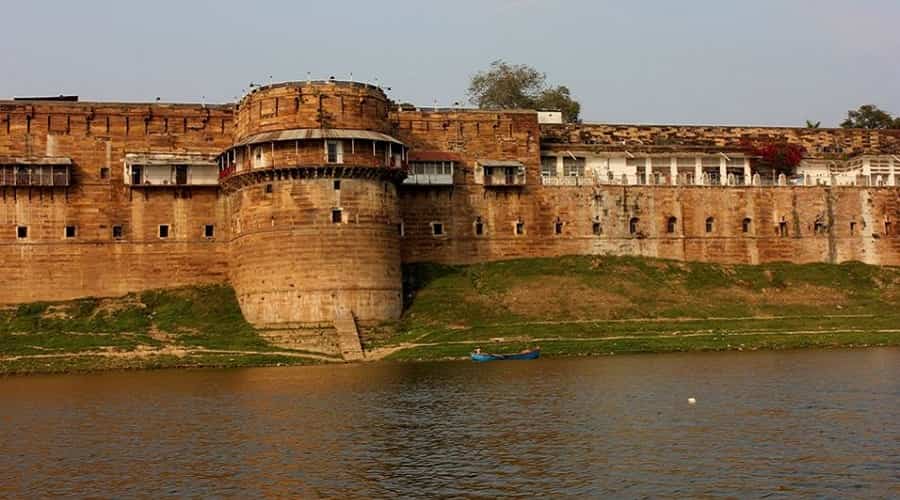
(765, 423)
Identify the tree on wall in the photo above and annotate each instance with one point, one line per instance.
(519, 86)
(777, 157)
(869, 116)
(812, 124)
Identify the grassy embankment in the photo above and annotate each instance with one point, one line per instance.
(188, 327)
(571, 306)
(605, 305)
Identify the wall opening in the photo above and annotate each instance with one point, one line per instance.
(104, 173)
(479, 227)
(671, 224)
(819, 227)
(852, 228)
(163, 231)
(21, 232)
(70, 231)
(520, 228)
(209, 231)
(633, 225)
(557, 226)
(117, 232)
(437, 229)
(745, 225)
(597, 228)
(336, 216)
(710, 224)
(335, 152)
(888, 228)
(782, 229)
(337, 185)
(268, 188)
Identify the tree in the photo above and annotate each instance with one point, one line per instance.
(519, 86)
(869, 116)
(812, 124)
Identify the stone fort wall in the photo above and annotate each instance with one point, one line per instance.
(292, 260)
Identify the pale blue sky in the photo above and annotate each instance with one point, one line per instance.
(687, 61)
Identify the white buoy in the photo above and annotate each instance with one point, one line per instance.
(692, 401)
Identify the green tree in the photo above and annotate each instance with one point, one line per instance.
(519, 86)
(869, 116)
(812, 124)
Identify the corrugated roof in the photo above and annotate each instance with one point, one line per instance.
(42, 160)
(500, 163)
(169, 159)
(317, 133)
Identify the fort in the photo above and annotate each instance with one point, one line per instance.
(307, 197)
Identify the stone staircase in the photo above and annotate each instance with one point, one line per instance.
(347, 334)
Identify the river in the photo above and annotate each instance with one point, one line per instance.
(764, 424)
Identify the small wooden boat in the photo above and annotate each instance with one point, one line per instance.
(528, 354)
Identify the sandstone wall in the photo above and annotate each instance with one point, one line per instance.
(47, 265)
(341, 105)
(290, 262)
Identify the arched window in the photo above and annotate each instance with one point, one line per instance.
(745, 225)
(671, 223)
(710, 224)
(633, 225)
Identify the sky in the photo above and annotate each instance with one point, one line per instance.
(754, 62)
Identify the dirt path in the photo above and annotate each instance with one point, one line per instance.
(165, 351)
(383, 352)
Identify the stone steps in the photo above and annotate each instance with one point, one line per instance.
(347, 335)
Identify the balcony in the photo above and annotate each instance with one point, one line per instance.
(35, 172)
(430, 173)
(170, 170)
(493, 173)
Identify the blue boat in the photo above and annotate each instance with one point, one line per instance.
(529, 354)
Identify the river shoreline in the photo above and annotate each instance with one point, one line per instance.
(94, 362)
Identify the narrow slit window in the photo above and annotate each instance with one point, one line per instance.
(710, 224)
(853, 228)
(558, 227)
(401, 229)
(70, 232)
(268, 188)
(745, 225)
(163, 231)
(479, 227)
(633, 225)
(520, 228)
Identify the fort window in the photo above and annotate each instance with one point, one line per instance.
(337, 185)
(437, 229)
(782, 229)
(137, 175)
(268, 188)
(335, 151)
(573, 167)
(548, 166)
(104, 173)
(117, 232)
(209, 231)
(853, 228)
(671, 223)
(163, 231)
(745, 225)
(633, 225)
(558, 226)
(820, 227)
(401, 229)
(22, 232)
(520, 228)
(70, 231)
(887, 227)
(597, 228)
(710, 224)
(336, 216)
(479, 227)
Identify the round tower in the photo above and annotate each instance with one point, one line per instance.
(311, 190)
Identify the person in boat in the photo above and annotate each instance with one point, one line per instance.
(477, 350)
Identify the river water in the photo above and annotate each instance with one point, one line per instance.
(764, 424)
